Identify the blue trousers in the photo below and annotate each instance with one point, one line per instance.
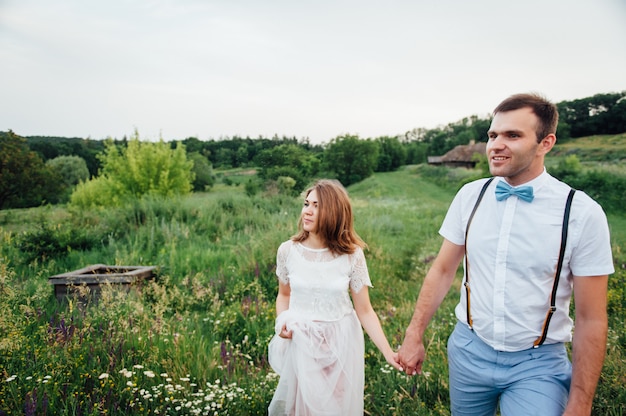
(530, 382)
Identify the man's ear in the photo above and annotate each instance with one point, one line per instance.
(547, 143)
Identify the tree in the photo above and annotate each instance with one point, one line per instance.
(225, 158)
(71, 171)
(242, 156)
(203, 172)
(416, 152)
(51, 147)
(140, 169)
(193, 145)
(25, 181)
(599, 114)
(392, 154)
(351, 159)
(288, 160)
(437, 142)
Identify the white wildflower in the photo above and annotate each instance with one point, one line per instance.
(126, 373)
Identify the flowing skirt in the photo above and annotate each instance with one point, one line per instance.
(321, 367)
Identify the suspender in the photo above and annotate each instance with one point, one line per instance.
(469, 221)
(557, 275)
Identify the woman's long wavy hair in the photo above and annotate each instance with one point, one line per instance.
(335, 221)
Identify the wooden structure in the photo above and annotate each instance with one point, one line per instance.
(460, 156)
(89, 280)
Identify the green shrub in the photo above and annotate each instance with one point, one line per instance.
(252, 187)
(607, 188)
(98, 192)
(567, 167)
(202, 172)
(52, 241)
(142, 168)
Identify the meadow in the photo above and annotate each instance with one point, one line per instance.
(601, 148)
(194, 339)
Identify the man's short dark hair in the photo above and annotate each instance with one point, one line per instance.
(545, 110)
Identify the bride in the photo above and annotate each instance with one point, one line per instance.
(318, 349)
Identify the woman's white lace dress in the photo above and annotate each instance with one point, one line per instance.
(322, 367)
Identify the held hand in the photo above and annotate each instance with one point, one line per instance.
(284, 333)
(411, 359)
(392, 360)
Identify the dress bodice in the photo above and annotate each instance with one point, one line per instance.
(319, 280)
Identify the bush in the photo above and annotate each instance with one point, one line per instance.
(567, 168)
(51, 241)
(203, 172)
(142, 168)
(607, 188)
(102, 191)
(252, 187)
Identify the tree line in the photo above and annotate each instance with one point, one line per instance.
(36, 169)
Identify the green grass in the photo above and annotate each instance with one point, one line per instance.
(603, 148)
(236, 176)
(195, 339)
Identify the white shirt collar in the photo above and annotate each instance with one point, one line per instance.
(536, 183)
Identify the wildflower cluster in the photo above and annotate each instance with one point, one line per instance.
(186, 397)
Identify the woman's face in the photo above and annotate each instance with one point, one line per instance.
(309, 212)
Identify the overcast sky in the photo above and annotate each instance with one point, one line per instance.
(307, 69)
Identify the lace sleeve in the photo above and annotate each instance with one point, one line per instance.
(359, 276)
(281, 262)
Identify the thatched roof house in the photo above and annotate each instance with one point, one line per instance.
(460, 156)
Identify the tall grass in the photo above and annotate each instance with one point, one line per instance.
(603, 148)
(194, 340)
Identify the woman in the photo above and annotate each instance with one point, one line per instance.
(318, 349)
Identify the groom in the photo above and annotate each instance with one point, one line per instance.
(528, 242)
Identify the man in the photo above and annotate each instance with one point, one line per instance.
(508, 347)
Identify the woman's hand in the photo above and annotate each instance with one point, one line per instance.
(284, 333)
(393, 361)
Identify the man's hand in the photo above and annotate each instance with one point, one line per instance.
(411, 356)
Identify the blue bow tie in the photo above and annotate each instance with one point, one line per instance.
(504, 190)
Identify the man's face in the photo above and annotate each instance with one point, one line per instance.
(512, 149)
